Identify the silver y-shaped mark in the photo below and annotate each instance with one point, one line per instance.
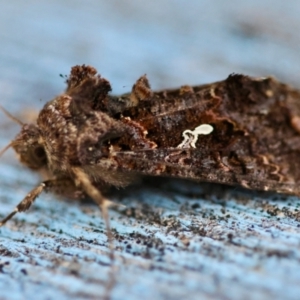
(191, 140)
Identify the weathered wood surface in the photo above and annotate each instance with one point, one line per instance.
(174, 240)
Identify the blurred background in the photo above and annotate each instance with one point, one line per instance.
(57, 250)
(173, 42)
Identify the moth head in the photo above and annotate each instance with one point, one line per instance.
(30, 150)
(27, 145)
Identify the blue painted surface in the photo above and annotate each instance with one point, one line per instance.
(226, 246)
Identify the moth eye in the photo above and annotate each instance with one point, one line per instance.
(40, 152)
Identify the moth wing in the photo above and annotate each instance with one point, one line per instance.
(248, 172)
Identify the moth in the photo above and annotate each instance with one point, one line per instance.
(241, 131)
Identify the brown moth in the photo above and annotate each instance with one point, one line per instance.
(241, 131)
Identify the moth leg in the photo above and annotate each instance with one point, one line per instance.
(103, 203)
(27, 201)
(58, 186)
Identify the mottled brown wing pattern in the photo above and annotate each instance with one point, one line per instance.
(248, 172)
(255, 141)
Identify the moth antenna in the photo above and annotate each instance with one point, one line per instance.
(5, 149)
(10, 116)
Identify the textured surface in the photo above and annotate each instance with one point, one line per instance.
(174, 239)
